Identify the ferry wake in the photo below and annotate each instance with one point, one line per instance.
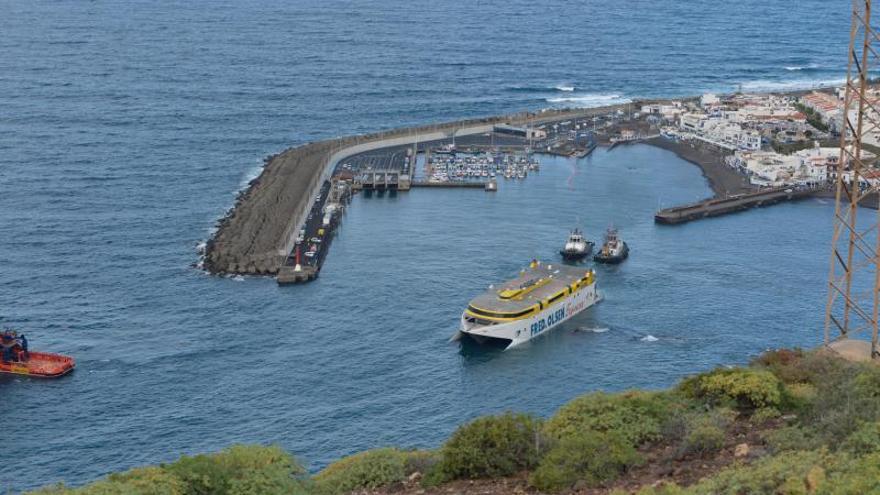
(540, 298)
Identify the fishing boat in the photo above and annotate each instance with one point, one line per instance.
(16, 359)
(576, 247)
(614, 250)
(539, 299)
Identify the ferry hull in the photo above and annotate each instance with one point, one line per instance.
(520, 331)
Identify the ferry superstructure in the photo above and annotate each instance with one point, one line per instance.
(539, 299)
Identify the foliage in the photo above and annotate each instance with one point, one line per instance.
(699, 432)
(765, 414)
(588, 456)
(370, 469)
(637, 416)
(238, 470)
(783, 474)
(854, 475)
(748, 388)
(813, 118)
(491, 446)
(865, 440)
(844, 400)
(797, 366)
(792, 438)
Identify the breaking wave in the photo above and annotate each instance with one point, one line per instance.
(564, 88)
(649, 338)
(590, 100)
(794, 68)
(792, 84)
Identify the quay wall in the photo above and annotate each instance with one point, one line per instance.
(258, 232)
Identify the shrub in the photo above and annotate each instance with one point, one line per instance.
(239, 470)
(139, 481)
(748, 388)
(703, 433)
(859, 475)
(797, 366)
(637, 416)
(370, 469)
(791, 438)
(865, 440)
(765, 414)
(783, 474)
(844, 400)
(492, 446)
(589, 456)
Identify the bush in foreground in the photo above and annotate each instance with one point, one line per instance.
(238, 470)
(590, 457)
(490, 447)
(637, 416)
(370, 469)
(749, 389)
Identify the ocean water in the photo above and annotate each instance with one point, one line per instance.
(126, 129)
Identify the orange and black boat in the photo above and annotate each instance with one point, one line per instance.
(15, 359)
(40, 365)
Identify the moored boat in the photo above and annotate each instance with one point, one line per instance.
(576, 247)
(16, 359)
(539, 299)
(613, 250)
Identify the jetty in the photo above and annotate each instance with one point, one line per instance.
(731, 204)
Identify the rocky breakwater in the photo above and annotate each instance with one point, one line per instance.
(257, 233)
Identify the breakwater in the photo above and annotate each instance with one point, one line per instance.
(257, 234)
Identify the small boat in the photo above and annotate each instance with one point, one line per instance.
(491, 186)
(614, 250)
(16, 359)
(576, 247)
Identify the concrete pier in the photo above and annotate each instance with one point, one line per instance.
(722, 206)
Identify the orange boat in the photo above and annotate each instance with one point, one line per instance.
(40, 365)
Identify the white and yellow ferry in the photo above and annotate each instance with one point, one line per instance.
(540, 298)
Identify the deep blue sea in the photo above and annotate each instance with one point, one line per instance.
(127, 127)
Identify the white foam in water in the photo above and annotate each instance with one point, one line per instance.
(591, 100)
(599, 329)
(801, 67)
(562, 87)
(649, 338)
(251, 175)
(238, 278)
(768, 85)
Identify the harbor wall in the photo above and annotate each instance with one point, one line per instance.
(258, 232)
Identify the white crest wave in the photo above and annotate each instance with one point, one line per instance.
(590, 100)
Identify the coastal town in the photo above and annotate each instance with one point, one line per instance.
(774, 140)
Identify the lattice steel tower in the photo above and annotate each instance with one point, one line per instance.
(854, 278)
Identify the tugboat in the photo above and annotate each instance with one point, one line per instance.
(16, 359)
(576, 247)
(614, 250)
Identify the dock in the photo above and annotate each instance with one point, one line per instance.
(722, 206)
(451, 184)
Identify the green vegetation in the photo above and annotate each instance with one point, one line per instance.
(370, 469)
(589, 457)
(812, 423)
(238, 470)
(813, 118)
(489, 447)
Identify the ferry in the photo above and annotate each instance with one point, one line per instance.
(539, 299)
